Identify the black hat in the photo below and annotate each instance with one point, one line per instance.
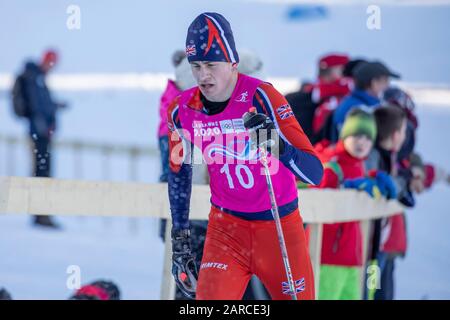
(365, 72)
(350, 67)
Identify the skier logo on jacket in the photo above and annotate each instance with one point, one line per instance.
(242, 97)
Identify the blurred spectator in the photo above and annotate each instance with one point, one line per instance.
(250, 64)
(423, 174)
(314, 102)
(371, 80)
(341, 255)
(171, 91)
(33, 101)
(399, 98)
(434, 174)
(389, 234)
(4, 295)
(97, 290)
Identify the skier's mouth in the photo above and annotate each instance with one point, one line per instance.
(206, 86)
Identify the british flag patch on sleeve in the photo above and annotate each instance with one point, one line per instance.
(285, 111)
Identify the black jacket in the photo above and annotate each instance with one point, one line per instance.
(41, 107)
(381, 159)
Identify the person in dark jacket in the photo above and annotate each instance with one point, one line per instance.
(371, 80)
(389, 234)
(41, 112)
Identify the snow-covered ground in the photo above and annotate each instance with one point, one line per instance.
(35, 262)
(423, 273)
(140, 38)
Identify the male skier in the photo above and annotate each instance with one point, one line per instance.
(241, 239)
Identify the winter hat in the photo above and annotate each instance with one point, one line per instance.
(210, 38)
(333, 60)
(98, 290)
(359, 122)
(50, 57)
(110, 287)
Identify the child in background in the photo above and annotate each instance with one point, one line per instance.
(389, 236)
(341, 258)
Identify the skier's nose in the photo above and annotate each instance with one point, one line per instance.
(204, 73)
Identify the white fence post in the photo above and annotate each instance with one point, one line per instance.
(365, 234)
(133, 154)
(315, 250)
(168, 283)
(11, 143)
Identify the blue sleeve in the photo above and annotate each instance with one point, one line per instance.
(311, 167)
(180, 172)
(180, 188)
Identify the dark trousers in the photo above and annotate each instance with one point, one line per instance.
(386, 262)
(164, 156)
(41, 148)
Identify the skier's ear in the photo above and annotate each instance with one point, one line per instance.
(234, 66)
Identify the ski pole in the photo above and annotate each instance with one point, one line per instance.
(276, 217)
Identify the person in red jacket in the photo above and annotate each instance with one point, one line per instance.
(314, 102)
(330, 88)
(341, 258)
(172, 90)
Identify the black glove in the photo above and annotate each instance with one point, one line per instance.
(184, 268)
(407, 199)
(262, 132)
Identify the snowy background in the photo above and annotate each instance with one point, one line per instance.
(139, 37)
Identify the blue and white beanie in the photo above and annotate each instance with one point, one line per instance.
(210, 38)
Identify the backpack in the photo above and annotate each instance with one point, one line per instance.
(304, 108)
(19, 101)
(328, 131)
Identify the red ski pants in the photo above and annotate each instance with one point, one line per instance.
(236, 248)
